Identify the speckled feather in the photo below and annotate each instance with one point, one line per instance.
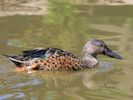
(55, 62)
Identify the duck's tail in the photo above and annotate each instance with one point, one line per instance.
(17, 62)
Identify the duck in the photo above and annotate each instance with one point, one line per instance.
(58, 59)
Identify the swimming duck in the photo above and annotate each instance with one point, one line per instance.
(58, 59)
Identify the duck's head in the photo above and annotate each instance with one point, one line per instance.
(95, 47)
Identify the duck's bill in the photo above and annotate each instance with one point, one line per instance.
(112, 54)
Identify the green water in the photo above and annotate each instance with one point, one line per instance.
(69, 26)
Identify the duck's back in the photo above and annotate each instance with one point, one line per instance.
(46, 59)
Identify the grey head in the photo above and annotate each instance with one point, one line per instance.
(94, 47)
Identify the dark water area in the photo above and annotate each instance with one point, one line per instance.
(69, 26)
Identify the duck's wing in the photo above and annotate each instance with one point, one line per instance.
(42, 53)
(27, 55)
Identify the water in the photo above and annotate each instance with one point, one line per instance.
(69, 26)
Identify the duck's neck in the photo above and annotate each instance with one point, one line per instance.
(90, 59)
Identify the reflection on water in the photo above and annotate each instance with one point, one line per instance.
(69, 26)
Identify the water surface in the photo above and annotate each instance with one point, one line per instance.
(69, 26)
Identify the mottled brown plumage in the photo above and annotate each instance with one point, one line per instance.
(57, 63)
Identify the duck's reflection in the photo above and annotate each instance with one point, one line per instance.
(89, 78)
(48, 83)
